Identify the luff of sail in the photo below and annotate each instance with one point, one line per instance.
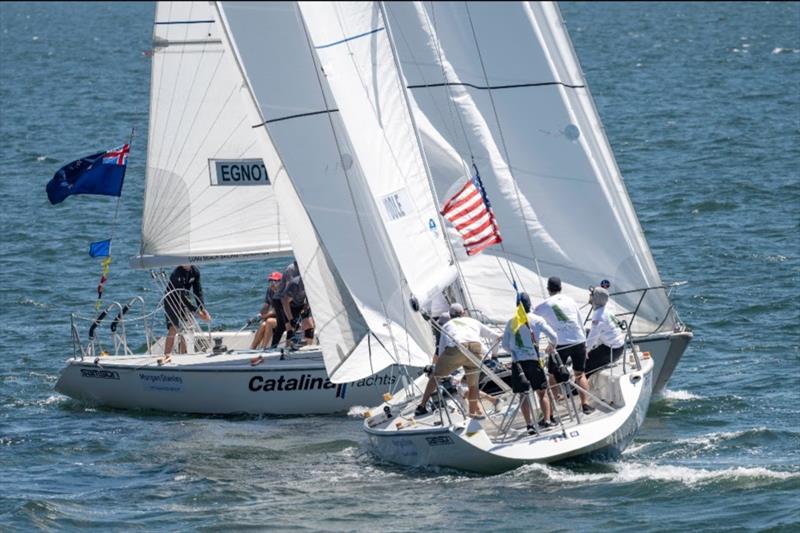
(301, 117)
(208, 192)
(522, 109)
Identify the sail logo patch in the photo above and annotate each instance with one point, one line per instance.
(395, 205)
(238, 172)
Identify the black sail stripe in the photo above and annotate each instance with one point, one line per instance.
(288, 117)
(487, 87)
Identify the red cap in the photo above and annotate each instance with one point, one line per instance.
(275, 276)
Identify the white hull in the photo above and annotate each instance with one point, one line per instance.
(296, 384)
(471, 445)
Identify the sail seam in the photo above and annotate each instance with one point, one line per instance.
(494, 87)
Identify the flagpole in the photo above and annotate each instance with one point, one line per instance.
(106, 263)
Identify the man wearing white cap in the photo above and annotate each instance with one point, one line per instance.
(606, 339)
(467, 332)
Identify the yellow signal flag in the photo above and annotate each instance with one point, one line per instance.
(520, 318)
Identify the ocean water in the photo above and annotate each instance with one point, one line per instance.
(702, 107)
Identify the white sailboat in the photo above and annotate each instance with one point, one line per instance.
(501, 85)
(335, 66)
(216, 191)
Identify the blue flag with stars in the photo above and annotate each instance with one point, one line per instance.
(100, 173)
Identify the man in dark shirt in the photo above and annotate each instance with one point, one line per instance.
(177, 305)
(296, 308)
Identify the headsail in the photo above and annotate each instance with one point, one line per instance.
(208, 192)
(303, 122)
(352, 43)
(501, 83)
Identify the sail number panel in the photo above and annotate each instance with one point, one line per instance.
(238, 172)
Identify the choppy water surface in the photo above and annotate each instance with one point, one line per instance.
(701, 105)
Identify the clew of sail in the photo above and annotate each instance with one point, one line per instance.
(500, 82)
(208, 192)
(303, 122)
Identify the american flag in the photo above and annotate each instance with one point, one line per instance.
(471, 213)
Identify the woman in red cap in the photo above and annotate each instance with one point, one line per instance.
(273, 322)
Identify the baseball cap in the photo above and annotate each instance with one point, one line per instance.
(554, 284)
(605, 284)
(275, 276)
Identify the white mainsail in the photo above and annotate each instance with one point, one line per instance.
(208, 191)
(303, 122)
(501, 83)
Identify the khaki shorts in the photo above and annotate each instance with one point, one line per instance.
(452, 359)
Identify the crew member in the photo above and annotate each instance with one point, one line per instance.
(606, 339)
(523, 345)
(177, 306)
(460, 332)
(271, 315)
(563, 315)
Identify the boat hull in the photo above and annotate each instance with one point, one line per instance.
(467, 447)
(296, 384)
(666, 350)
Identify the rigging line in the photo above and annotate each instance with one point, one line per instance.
(413, 131)
(174, 91)
(505, 148)
(451, 95)
(466, 294)
(171, 194)
(187, 98)
(452, 256)
(173, 94)
(402, 281)
(199, 106)
(154, 115)
(170, 216)
(347, 179)
(447, 122)
(495, 87)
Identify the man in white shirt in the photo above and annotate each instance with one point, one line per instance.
(467, 332)
(606, 339)
(563, 315)
(523, 345)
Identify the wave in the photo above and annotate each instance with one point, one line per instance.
(633, 472)
(679, 395)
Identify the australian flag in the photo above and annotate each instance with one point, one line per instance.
(100, 173)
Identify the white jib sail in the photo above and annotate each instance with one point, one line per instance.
(301, 117)
(501, 83)
(208, 192)
(352, 44)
